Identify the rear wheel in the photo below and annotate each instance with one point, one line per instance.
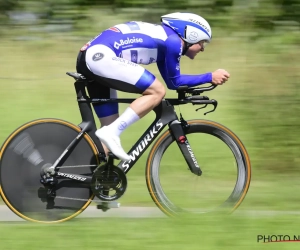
(22, 155)
(221, 156)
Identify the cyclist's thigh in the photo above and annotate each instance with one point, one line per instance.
(97, 90)
(117, 73)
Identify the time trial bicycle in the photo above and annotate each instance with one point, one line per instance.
(51, 170)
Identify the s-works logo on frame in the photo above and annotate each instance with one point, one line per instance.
(261, 238)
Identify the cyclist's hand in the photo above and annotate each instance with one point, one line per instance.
(220, 76)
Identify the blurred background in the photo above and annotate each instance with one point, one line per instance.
(257, 41)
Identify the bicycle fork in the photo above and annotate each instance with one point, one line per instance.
(177, 129)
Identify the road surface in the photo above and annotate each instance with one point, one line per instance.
(92, 212)
(138, 212)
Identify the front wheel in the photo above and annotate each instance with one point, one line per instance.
(223, 159)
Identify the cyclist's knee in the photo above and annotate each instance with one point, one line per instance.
(156, 89)
(161, 91)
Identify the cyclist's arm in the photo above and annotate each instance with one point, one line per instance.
(170, 67)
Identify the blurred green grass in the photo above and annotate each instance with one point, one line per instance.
(208, 232)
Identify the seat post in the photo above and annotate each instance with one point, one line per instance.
(88, 120)
(84, 107)
(88, 124)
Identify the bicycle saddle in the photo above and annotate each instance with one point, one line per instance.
(76, 76)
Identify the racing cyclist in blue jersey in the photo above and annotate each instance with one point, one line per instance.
(113, 60)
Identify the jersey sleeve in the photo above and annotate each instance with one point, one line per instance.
(170, 67)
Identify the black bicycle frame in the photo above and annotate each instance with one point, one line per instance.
(165, 115)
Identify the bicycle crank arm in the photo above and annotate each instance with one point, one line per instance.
(103, 205)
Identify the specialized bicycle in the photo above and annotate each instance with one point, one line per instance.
(51, 170)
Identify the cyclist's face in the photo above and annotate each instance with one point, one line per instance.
(195, 49)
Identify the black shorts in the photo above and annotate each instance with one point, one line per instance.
(95, 88)
(100, 88)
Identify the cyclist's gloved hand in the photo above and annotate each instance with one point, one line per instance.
(220, 76)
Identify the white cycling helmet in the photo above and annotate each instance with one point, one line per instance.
(190, 27)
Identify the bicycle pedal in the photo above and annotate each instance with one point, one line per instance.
(105, 205)
(111, 155)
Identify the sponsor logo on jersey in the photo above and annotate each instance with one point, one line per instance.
(128, 41)
(124, 62)
(114, 29)
(119, 59)
(98, 56)
(134, 55)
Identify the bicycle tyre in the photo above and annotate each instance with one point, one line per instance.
(198, 126)
(20, 186)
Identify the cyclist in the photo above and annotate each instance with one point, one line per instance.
(112, 59)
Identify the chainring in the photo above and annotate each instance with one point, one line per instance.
(108, 183)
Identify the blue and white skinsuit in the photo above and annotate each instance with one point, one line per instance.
(113, 58)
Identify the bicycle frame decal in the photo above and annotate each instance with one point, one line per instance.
(191, 154)
(143, 143)
(72, 176)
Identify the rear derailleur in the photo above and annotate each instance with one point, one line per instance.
(47, 192)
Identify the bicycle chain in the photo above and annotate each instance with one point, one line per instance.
(77, 199)
(68, 198)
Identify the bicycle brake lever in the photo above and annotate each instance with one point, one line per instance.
(215, 103)
(201, 107)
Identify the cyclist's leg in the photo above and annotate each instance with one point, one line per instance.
(104, 121)
(106, 112)
(152, 96)
(114, 114)
(128, 77)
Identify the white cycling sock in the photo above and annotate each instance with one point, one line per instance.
(125, 120)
